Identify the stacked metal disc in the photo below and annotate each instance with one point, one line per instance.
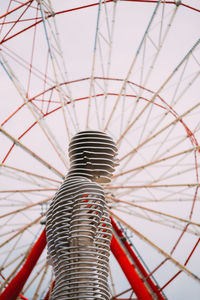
(78, 225)
(92, 154)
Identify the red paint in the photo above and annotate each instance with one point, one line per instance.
(132, 276)
(137, 262)
(14, 288)
(49, 291)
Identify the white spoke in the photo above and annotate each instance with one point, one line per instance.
(165, 254)
(17, 142)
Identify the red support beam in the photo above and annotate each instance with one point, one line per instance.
(129, 270)
(14, 9)
(154, 288)
(14, 288)
(49, 291)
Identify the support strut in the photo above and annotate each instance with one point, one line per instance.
(14, 288)
(143, 286)
(135, 281)
(129, 266)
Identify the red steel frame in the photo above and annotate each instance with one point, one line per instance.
(135, 281)
(132, 268)
(39, 20)
(14, 288)
(136, 274)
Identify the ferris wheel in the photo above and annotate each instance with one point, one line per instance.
(130, 68)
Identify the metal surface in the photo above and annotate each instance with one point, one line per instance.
(78, 226)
